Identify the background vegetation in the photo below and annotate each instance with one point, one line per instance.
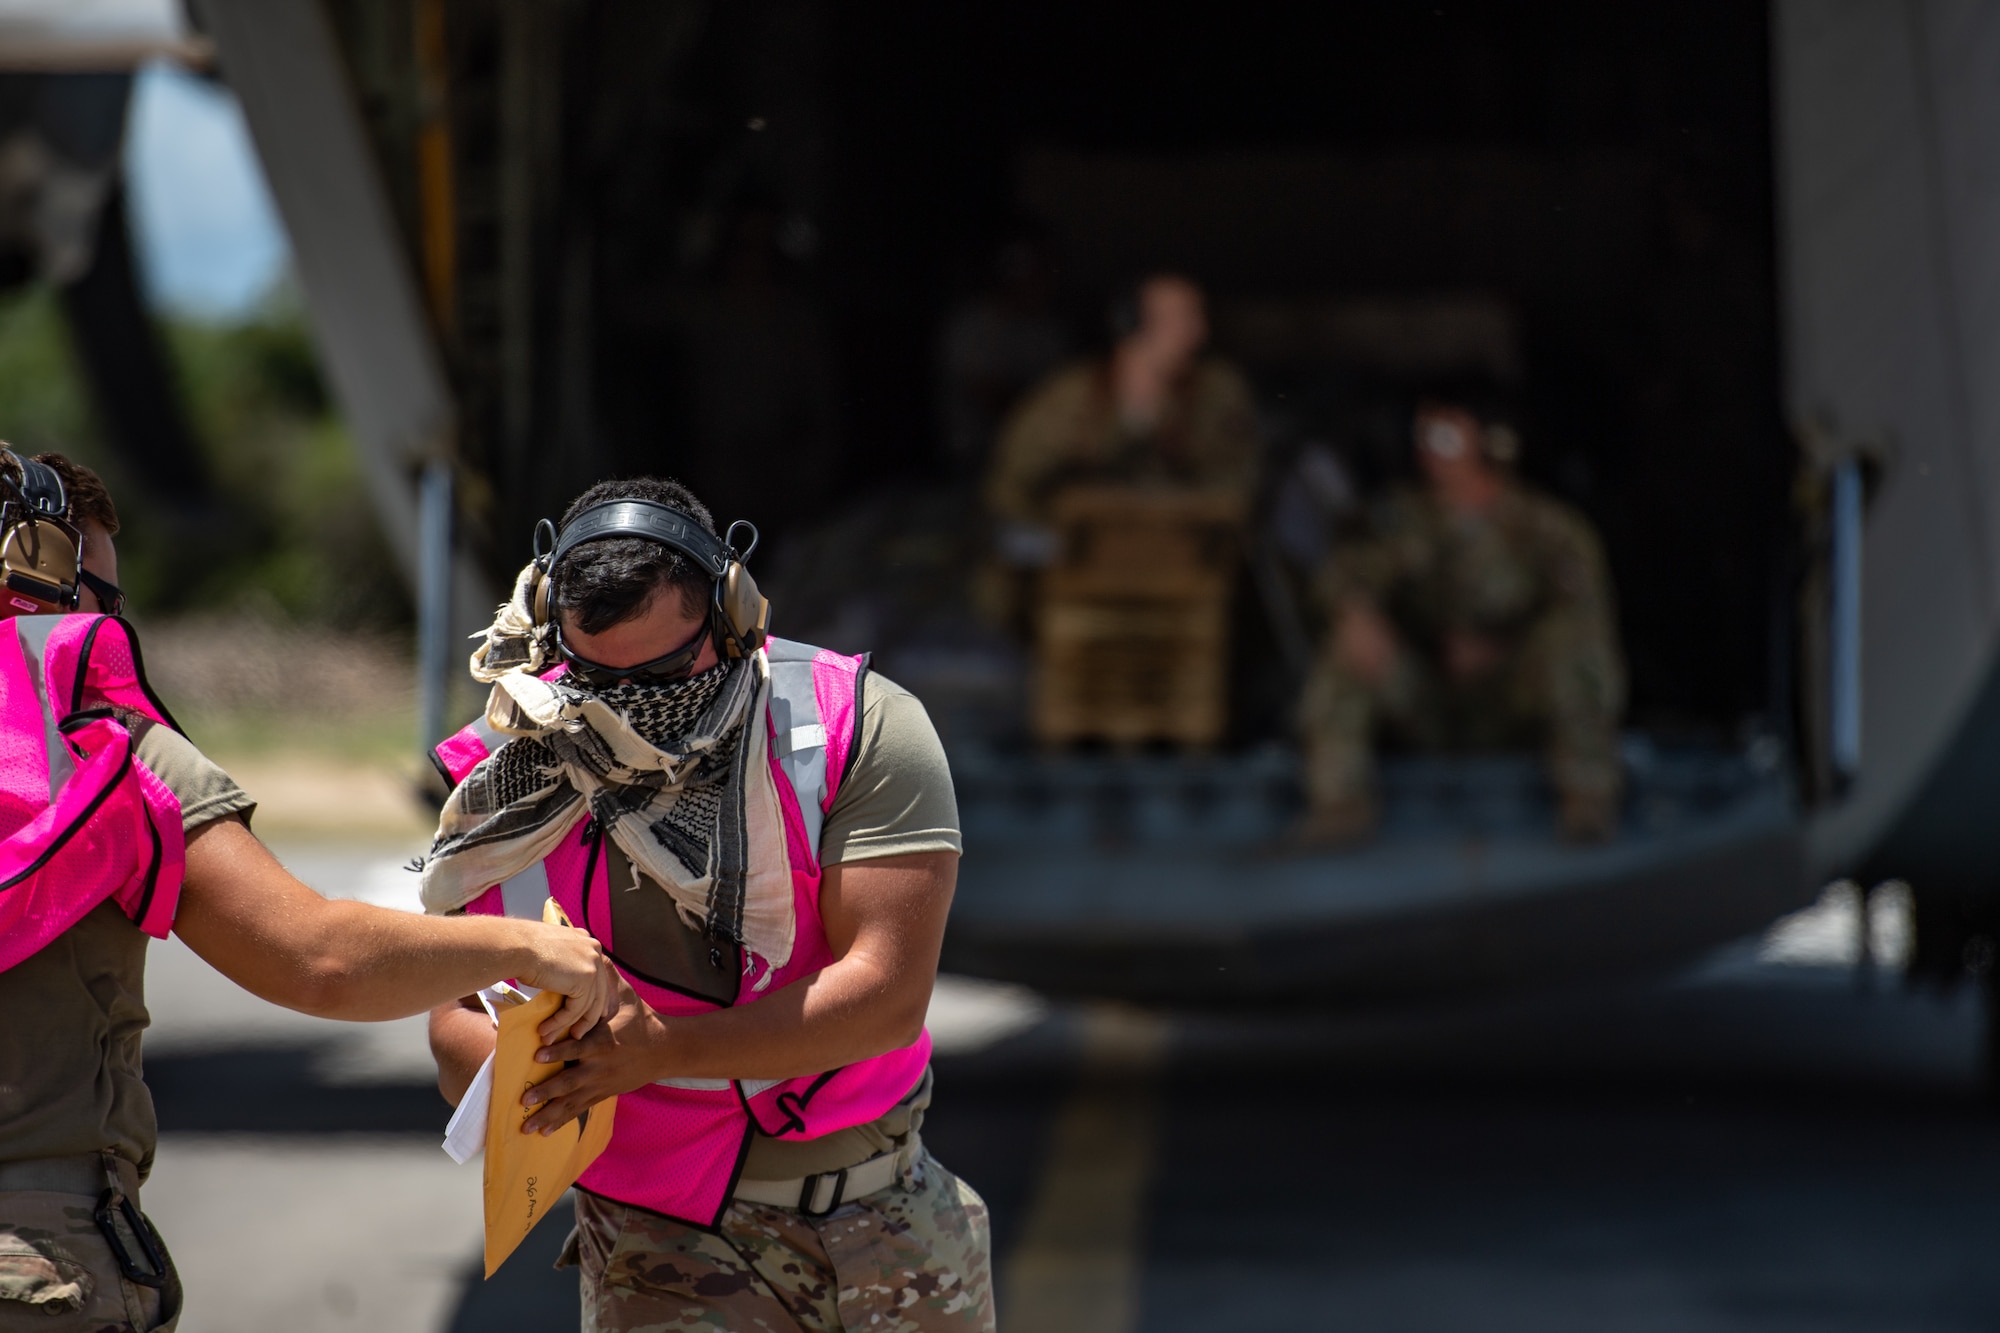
(273, 617)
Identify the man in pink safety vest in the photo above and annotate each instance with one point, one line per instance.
(763, 837)
(114, 828)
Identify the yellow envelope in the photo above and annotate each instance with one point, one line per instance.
(527, 1173)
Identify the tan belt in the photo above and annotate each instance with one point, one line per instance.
(818, 1195)
(114, 1183)
(85, 1173)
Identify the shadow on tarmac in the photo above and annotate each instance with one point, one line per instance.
(280, 1089)
(1753, 1149)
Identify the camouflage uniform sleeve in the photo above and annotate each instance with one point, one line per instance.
(1580, 633)
(1579, 577)
(1369, 563)
(1042, 435)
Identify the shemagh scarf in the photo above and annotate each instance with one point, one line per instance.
(678, 774)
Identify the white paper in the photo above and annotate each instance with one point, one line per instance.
(502, 994)
(465, 1136)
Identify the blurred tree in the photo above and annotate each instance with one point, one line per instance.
(301, 539)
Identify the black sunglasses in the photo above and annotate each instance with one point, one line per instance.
(676, 665)
(110, 596)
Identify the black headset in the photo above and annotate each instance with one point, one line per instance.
(41, 551)
(739, 616)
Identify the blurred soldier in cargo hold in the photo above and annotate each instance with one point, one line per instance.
(1476, 613)
(1154, 411)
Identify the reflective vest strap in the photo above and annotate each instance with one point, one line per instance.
(460, 753)
(33, 634)
(84, 819)
(157, 898)
(522, 895)
(27, 777)
(815, 717)
(798, 739)
(91, 661)
(837, 683)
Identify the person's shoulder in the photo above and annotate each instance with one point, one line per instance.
(1075, 379)
(1068, 391)
(1401, 508)
(887, 706)
(1219, 377)
(896, 796)
(894, 732)
(1549, 513)
(1556, 527)
(879, 687)
(202, 788)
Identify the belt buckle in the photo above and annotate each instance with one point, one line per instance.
(809, 1192)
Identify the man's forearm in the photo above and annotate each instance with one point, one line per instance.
(848, 1011)
(379, 964)
(462, 1036)
(885, 924)
(261, 928)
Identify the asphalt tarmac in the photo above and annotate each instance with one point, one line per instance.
(1775, 1139)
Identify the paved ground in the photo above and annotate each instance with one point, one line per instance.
(1761, 1143)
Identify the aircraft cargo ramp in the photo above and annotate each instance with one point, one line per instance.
(1158, 878)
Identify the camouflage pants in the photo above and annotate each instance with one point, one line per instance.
(58, 1274)
(1562, 688)
(913, 1258)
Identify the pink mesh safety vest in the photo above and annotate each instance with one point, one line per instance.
(678, 1147)
(83, 819)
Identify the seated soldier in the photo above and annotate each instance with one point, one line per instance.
(1476, 613)
(1155, 410)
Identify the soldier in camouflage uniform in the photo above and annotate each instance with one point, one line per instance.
(1475, 614)
(1155, 411)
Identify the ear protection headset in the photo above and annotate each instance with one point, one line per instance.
(41, 551)
(739, 616)
(1499, 442)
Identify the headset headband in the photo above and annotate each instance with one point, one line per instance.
(40, 487)
(648, 519)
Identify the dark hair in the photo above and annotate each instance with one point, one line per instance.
(605, 583)
(89, 501)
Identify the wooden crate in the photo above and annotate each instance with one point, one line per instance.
(1132, 622)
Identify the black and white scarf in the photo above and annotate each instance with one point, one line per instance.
(677, 774)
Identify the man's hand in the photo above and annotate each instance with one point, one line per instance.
(1364, 642)
(622, 1053)
(571, 962)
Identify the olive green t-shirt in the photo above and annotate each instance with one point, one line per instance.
(897, 797)
(70, 1075)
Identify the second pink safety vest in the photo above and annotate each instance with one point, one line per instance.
(678, 1147)
(82, 820)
